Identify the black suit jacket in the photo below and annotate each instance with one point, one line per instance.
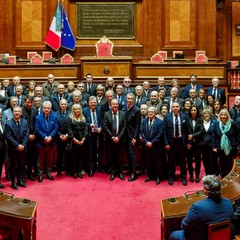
(108, 122)
(92, 90)
(55, 100)
(169, 131)
(62, 122)
(30, 116)
(133, 119)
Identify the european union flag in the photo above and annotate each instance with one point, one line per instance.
(68, 40)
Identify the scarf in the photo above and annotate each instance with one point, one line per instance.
(225, 143)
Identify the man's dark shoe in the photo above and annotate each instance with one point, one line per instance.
(20, 183)
(184, 182)
(59, 174)
(40, 179)
(31, 177)
(121, 176)
(170, 181)
(91, 173)
(50, 177)
(14, 186)
(148, 179)
(112, 176)
(133, 177)
(158, 181)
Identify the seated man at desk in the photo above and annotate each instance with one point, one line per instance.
(212, 209)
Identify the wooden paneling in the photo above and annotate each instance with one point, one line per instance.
(31, 30)
(235, 38)
(180, 23)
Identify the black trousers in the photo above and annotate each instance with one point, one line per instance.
(17, 164)
(177, 152)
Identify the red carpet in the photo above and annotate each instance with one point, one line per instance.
(95, 208)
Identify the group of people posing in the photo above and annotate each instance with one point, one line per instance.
(94, 127)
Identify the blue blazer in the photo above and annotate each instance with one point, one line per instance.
(169, 131)
(121, 103)
(202, 213)
(12, 135)
(188, 87)
(86, 112)
(220, 94)
(43, 131)
(154, 135)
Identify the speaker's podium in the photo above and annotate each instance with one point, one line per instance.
(18, 216)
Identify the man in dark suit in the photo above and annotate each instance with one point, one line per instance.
(5, 85)
(151, 133)
(114, 124)
(56, 97)
(161, 84)
(173, 98)
(19, 95)
(234, 111)
(146, 89)
(127, 86)
(84, 95)
(46, 127)
(11, 91)
(120, 96)
(92, 114)
(29, 112)
(133, 118)
(39, 93)
(17, 134)
(100, 92)
(195, 99)
(211, 209)
(90, 87)
(193, 84)
(175, 141)
(62, 138)
(217, 92)
(139, 99)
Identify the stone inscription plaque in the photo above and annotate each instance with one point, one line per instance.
(95, 20)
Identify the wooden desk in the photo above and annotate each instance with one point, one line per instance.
(39, 72)
(16, 216)
(173, 213)
(117, 67)
(147, 70)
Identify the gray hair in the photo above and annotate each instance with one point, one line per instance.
(213, 187)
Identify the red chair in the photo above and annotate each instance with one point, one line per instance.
(157, 57)
(104, 47)
(220, 231)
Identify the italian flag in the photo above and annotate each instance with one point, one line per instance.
(53, 38)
